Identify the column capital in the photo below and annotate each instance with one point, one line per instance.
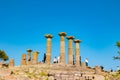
(62, 34)
(29, 50)
(77, 41)
(49, 36)
(36, 52)
(70, 37)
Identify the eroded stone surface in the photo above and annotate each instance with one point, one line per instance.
(44, 71)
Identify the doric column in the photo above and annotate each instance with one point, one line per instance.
(70, 50)
(23, 61)
(77, 52)
(35, 57)
(48, 48)
(62, 47)
(29, 56)
(11, 63)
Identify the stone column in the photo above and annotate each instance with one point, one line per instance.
(62, 47)
(35, 57)
(70, 50)
(11, 63)
(48, 48)
(29, 56)
(23, 61)
(77, 52)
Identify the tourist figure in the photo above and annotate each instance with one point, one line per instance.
(44, 59)
(55, 60)
(86, 61)
(111, 70)
(73, 59)
(80, 60)
(58, 59)
(102, 67)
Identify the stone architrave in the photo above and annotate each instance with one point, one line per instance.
(48, 48)
(29, 56)
(11, 63)
(23, 61)
(70, 49)
(77, 52)
(62, 47)
(35, 57)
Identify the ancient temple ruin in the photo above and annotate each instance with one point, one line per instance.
(73, 70)
(30, 60)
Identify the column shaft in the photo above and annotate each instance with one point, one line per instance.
(35, 57)
(77, 52)
(11, 63)
(70, 50)
(48, 48)
(62, 50)
(62, 47)
(23, 61)
(48, 51)
(29, 57)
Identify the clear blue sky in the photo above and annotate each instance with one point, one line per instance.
(23, 24)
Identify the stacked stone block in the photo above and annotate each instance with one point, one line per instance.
(23, 61)
(11, 63)
(35, 57)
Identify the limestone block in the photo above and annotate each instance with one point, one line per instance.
(35, 57)
(97, 70)
(76, 78)
(11, 63)
(23, 56)
(83, 65)
(51, 78)
(23, 61)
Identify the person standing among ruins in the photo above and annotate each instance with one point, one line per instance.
(44, 59)
(58, 59)
(86, 61)
(55, 60)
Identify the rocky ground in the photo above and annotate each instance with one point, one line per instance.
(113, 76)
(53, 72)
(20, 73)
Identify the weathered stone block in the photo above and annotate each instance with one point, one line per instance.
(11, 63)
